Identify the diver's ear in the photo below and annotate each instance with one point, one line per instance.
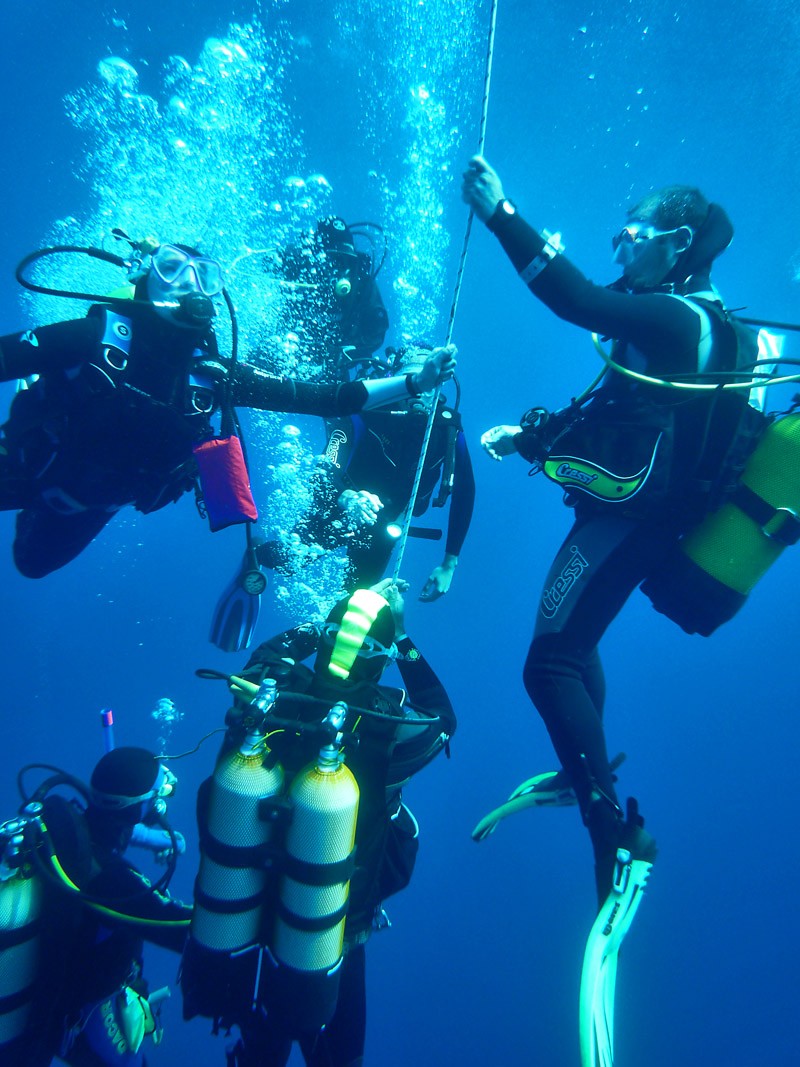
(684, 236)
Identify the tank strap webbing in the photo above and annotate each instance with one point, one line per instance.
(11, 938)
(226, 907)
(319, 874)
(787, 530)
(14, 1001)
(236, 856)
(316, 925)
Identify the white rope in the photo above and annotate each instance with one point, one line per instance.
(409, 513)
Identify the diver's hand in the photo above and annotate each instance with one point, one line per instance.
(481, 188)
(439, 580)
(361, 508)
(438, 368)
(499, 441)
(392, 592)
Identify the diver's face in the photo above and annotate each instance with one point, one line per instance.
(647, 254)
(176, 275)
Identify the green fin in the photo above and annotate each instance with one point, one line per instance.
(599, 975)
(236, 613)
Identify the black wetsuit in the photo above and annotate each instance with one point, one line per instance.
(378, 451)
(388, 754)
(87, 956)
(104, 427)
(612, 548)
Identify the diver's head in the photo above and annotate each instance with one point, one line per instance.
(659, 243)
(130, 785)
(327, 265)
(347, 267)
(181, 283)
(357, 640)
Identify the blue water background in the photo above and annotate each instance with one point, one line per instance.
(592, 104)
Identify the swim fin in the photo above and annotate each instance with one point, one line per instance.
(599, 975)
(236, 613)
(549, 790)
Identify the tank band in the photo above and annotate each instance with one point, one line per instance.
(18, 936)
(309, 925)
(14, 1001)
(227, 907)
(319, 873)
(787, 530)
(238, 857)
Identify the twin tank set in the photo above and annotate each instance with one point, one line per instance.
(268, 924)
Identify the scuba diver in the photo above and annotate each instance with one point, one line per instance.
(338, 318)
(306, 809)
(75, 913)
(334, 311)
(641, 465)
(121, 410)
(362, 486)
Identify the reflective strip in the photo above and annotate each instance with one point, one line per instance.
(537, 264)
(705, 344)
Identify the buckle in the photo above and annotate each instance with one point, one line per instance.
(785, 525)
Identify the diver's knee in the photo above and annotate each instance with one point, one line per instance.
(545, 660)
(30, 566)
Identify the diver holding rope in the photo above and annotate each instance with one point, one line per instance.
(659, 447)
(301, 845)
(121, 411)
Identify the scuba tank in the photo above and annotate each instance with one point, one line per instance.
(314, 889)
(231, 883)
(718, 563)
(20, 906)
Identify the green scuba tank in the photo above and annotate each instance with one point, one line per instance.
(20, 906)
(719, 562)
(314, 890)
(232, 877)
(221, 961)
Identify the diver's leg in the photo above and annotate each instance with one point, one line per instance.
(46, 541)
(599, 565)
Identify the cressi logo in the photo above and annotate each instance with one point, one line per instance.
(554, 597)
(574, 474)
(337, 439)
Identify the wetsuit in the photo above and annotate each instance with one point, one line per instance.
(378, 451)
(87, 957)
(612, 548)
(388, 754)
(112, 420)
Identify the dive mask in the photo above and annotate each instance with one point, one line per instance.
(175, 267)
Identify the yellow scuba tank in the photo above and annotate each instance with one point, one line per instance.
(314, 889)
(20, 906)
(720, 560)
(232, 876)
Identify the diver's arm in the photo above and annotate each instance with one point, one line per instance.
(57, 347)
(255, 388)
(462, 502)
(424, 689)
(654, 322)
(162, 920)
(416, 746)
(293, 645)
(660, 327)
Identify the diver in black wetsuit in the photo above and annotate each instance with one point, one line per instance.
(88, 1002)
(667, 320)
(364, 481)
(353, 647)
(126, 395)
